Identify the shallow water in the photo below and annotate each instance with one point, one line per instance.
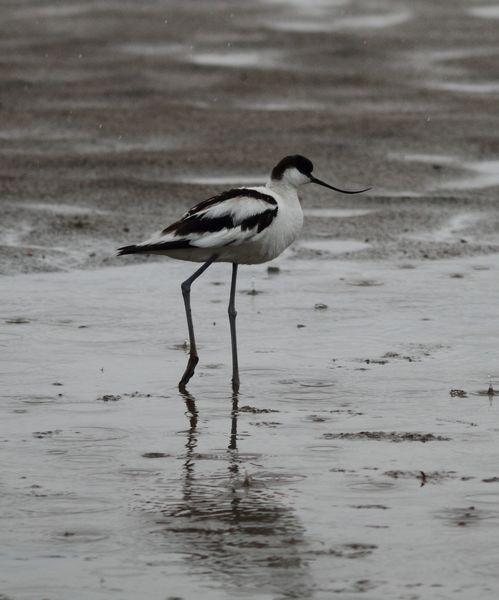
(485, 173)
(329, 246)
(336, 213)
(477, 87)
(333, 18)
(251, 58)
(487, 12)
(116, 485)
(451, 230)
(222, 179)
(57, 208)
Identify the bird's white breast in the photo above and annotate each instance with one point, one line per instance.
(282, 232)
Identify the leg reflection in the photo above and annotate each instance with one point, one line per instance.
(191, 442)
(240, 533)
(233, 429)
(233, 454)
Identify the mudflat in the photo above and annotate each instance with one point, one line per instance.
(360, 457)
(117, 116)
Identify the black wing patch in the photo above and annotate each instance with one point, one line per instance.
(228, 195)
(197, 224)
(193, 222)
(261, 220)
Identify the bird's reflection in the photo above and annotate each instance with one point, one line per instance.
(233, 422)
(192, 439)
(238, 530)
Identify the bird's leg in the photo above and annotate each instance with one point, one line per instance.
(232, 321)
(186, 293)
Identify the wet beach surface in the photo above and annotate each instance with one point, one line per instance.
(360, 459)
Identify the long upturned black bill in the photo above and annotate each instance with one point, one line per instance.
(319, 182)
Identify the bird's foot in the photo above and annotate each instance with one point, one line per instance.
(189, 371)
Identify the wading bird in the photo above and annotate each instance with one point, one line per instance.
(241, 226)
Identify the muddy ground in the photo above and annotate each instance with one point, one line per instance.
(360, 458)
(116, 116)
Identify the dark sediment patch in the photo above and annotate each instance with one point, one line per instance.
(46, 434)
(354, 550)
(462, 516)
(256, 411)
(141, 395)
(365, 283)
(423, 476)
(385, 436)
(155, 455)
(371, 507)
(109, 398)
(17, 321)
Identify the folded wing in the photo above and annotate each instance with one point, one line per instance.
(231, 218)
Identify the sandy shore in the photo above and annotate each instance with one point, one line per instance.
(119, 115)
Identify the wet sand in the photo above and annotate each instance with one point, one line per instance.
(360, 458)
(117, 116)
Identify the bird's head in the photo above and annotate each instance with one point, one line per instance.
(297, 170)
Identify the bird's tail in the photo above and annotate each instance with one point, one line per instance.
(154, 248)
(133, 249)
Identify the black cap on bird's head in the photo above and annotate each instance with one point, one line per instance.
(297, 170)
(296, 161)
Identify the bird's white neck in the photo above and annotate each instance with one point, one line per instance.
(282, 187)
(286, 192)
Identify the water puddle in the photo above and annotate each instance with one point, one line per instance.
(236, 180)
(41, 134)
(485, 12)
(256, 59)
(151, 49)
(279, 105)
(484, 173)
(61, 11)
(485, 87)
(328, 246)
(57, 209)
(119, 145)
(356, 22)
(451, 231)
(373, 21)
(228, 57)
(53, 11)
(441, 68)
(336, 213)
(100, 145)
